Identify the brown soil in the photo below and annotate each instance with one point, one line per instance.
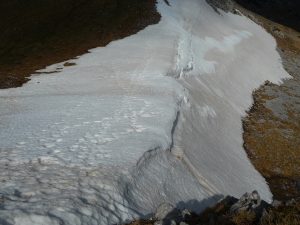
(37, 33)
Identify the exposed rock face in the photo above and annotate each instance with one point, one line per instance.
(247, 202)
(249, 208)
(163, 211)
(250, 203)
(167, 214)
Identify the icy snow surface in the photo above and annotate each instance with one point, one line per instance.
(155, 117)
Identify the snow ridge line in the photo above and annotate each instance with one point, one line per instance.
(152, 152)
(173, 129)
(209, 188)
(145, 159)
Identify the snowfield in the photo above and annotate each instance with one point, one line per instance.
(152, 118)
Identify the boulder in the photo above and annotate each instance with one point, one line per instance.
(252, 203)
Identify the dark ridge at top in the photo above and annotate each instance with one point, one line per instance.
(286, 12)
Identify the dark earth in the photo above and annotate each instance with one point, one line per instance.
(37, 33)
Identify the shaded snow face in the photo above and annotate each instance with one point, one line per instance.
(151, 118)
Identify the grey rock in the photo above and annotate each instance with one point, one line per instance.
(163, 211)
(291, 202)
(159, 222)
(183, 223)
(279, 33)
(247, 202)
(168, 214)
(173, 222)
(250, 203)
(276, 203)
(185, 213)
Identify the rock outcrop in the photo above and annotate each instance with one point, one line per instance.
(250, 209)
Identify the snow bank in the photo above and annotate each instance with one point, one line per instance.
(155, 117)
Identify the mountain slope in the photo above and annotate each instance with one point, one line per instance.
(152, 118)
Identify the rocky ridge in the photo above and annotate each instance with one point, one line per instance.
(248, 210)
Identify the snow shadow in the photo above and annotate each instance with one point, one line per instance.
(198, 206)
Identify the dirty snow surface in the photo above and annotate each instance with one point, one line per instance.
(155, 117)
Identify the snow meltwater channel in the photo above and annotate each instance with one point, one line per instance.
(155, 117)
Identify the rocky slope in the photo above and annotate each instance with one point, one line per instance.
(248, 210)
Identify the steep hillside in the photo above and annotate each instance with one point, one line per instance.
(151, 118)
(37, 33)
